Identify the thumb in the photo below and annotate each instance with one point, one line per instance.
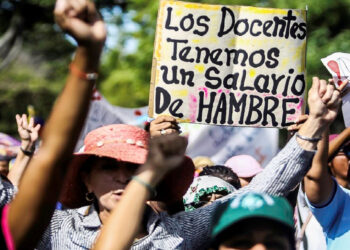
(60, 6)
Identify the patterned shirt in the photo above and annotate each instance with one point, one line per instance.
(78, 228)
(7, 191)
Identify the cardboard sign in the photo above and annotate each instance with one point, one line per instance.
(217, 142)
(228, 65)
(338, 64)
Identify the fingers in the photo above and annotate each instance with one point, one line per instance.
(18, 120)
(322, 88)
(343, 85)
(335, 99)
(37, 127)
(164, 125)
(328, 93)
(31, 123)
(298, 123)
(164, 118)
(24, 121)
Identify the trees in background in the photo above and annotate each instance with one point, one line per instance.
(42, 61)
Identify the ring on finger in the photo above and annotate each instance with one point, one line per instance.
(162, 131)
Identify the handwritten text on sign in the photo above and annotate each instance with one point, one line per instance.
(228, 65)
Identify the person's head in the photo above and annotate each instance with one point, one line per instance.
(339, 165)
(222, 172)
(110, 157)
(204, 190)
(253, 221)
(105, 180)
(100, 172)
(245, 166)
(200, 162)
(4, 165)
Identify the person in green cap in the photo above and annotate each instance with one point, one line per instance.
(253, 221)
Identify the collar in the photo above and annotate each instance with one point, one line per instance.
(89, 217)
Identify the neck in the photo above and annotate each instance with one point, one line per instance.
(103, 214)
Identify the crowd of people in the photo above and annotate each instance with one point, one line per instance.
(134, 188)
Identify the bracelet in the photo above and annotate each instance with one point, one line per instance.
(307, 138)
(82, 75)
(26, 152)
(146, 185)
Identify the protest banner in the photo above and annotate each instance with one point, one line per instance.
(228, 65)
(338, 64)
(217, 142)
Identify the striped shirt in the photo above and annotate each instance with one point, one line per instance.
(7, 191)
(78, 228)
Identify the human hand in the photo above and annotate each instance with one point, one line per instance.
(324, 100)
(298, 123)
(28, 133)
(164, 125)
(166, 152)
(80, 19)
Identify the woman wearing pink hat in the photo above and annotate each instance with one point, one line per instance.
(245, 166)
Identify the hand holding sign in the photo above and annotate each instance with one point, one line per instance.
(228, 65)
(164, 125)
(338, 64)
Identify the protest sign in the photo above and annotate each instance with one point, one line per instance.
(338, 64)
(217, 142)
(228, 65)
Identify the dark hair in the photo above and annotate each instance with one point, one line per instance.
(223, 173)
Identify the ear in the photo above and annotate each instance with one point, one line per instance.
(331, 168)
(87, 181)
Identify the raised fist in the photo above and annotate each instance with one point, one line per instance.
(166, 152)
(80, 19)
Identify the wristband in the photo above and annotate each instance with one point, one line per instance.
(82, 75)
(305, 138)
(27, 152)
(146, 185)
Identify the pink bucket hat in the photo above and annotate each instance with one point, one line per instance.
(244, 166)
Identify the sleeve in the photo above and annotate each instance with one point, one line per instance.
(283, 173)
(280, 176)
(329, 213)
(193, 226)
(51, 231)
(7, 191)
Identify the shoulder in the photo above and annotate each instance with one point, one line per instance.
(7, 191)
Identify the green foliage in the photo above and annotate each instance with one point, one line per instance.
(38, 74)
(327, 33)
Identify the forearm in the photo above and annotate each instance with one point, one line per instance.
(318, 183)
(125, 220)
(21, 163)
(46, 171)
(335, 144)
(18, 168)
(283, 172)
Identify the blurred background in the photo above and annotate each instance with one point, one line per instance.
(34, 54)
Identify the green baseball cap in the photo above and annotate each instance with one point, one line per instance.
(251, 205)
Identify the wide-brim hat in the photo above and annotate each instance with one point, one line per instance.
(124, 143)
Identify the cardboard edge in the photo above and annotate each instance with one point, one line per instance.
(154, 64)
